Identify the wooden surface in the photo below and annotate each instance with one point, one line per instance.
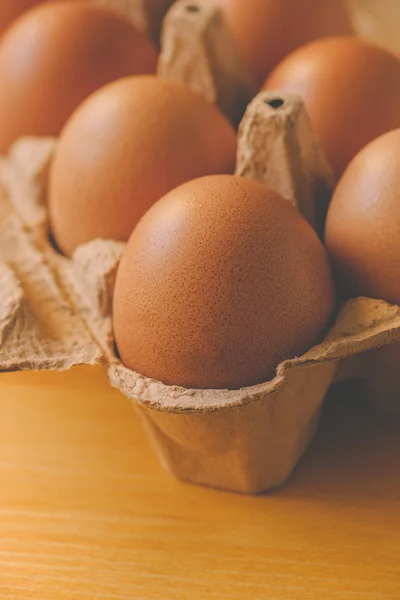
(87, 513)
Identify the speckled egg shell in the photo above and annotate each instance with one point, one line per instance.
(220, 281)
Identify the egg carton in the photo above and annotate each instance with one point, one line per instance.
(56, 312)
(196, 48)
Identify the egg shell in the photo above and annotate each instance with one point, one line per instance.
(220, 281)
(267, 30)
(351, 89)
(124, 148)
(198, 49)
(57, 54)
(363, 222)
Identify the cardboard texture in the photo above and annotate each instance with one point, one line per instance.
(56, 313)
(197, 49)
(278, 147)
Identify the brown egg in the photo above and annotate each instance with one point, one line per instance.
(220, 281)
(124, 148)
(57, 54)
(363, 222)
(351, 89)
(267, 30)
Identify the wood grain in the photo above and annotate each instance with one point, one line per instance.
(87, 513)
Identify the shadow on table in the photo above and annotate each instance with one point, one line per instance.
(356, 451)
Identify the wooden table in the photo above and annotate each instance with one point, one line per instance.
(87, 513)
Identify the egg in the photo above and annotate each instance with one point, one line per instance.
(363, 222)
(125, 147)
(351, 90)
(220, 281)
(267, 30)
(57, 54)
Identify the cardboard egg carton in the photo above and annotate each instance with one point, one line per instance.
(56, 312)
(196, 48)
